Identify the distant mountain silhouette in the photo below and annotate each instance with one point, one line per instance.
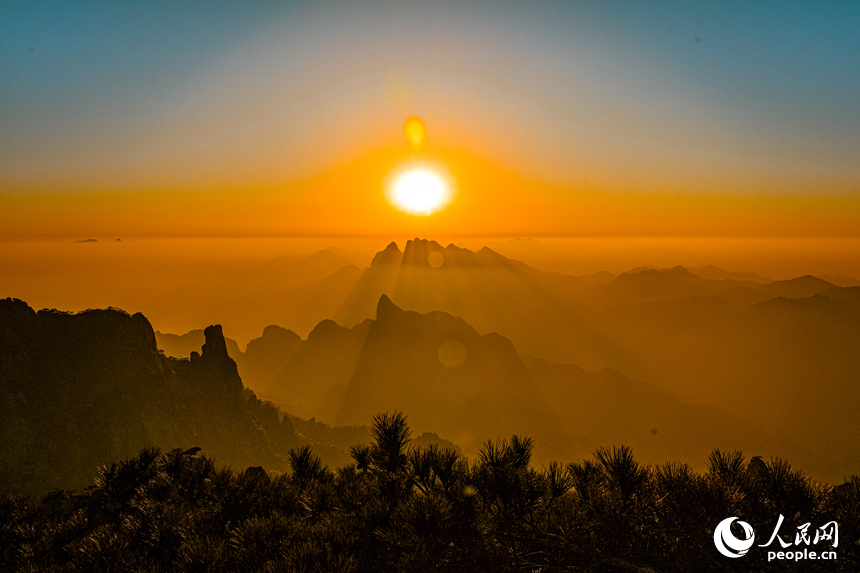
(265, 357)
(800, 287)
(716, 273)
(471, 387)
(435, 366)
(319, 371)
(262, 361)
(537, 310)
(850, 295)
(648, 285)
(677, 283)
(610, 408)
(547, 315)
(787, 364)
(841, 281)
(707, 335)
(298, 292)
(552, 257)
(181, 346)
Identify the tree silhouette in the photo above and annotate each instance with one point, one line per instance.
(402, 509)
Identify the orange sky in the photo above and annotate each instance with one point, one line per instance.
(491, 200)
(582, 120)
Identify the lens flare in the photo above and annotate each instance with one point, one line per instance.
(419, 190)
(416, 131)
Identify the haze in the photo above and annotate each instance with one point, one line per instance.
(652, 236)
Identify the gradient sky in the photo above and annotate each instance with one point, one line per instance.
(562, 118)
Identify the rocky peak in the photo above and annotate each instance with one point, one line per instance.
(387, 311)
(417, 250)
(390, 255)
(326, 329)
(274, 339)
(215, 346)
(215, 371)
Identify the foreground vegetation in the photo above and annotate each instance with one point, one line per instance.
(423, 509)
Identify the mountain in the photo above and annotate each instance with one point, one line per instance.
(787, 364)
(549, 256)
(555, 317)
(265, 357)
(426, 276)
(677, 283)
(547, 315)
(262, 361)
(445, 375)
(181, 346)
(288, 290)
(314, 380)
(850, 294)
(716, 273)
(800, 287)
(841, 281)
(704, 339)
(80, 390)
(706, 335)
(539, 312)
(648, 285)
(434, 367)
(609, 408)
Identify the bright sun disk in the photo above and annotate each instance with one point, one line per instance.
(419, 191)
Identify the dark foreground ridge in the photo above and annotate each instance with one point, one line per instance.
(398, 508)
(79, 390)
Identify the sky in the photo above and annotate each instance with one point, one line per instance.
(219, 119)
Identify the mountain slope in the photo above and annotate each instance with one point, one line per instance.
(80, 390)
(445, 375)
(434, 367)
(287, 290)
(538, 311)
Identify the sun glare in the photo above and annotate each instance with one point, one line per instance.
(419, 191)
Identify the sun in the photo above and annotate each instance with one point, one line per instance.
(419, 190)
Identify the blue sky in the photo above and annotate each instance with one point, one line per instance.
(94, 88)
